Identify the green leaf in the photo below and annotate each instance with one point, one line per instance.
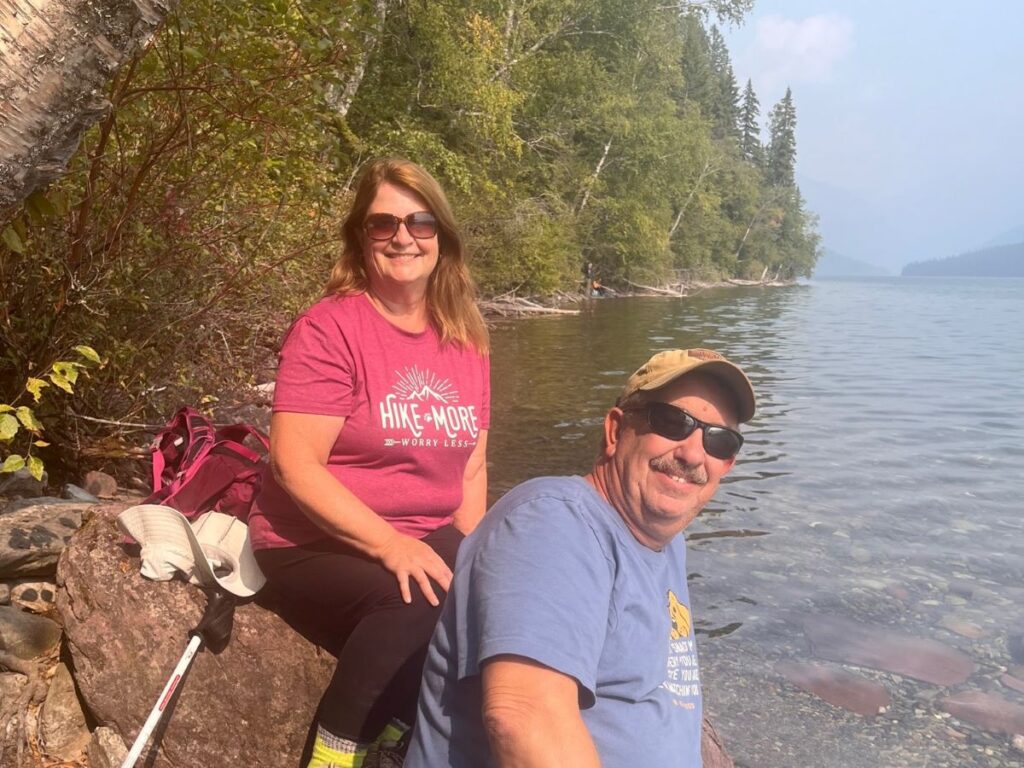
(42, 205)
(88, 353)
(12, 463)
(35, 467)
(61, 382)
(5, 408)
(68, 370)
(29, 420)
(12, 241)
(35, 387)
(8, 426)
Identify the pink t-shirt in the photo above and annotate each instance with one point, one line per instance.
(413, 411)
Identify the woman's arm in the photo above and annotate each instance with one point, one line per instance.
(474, 488)
(300, 445)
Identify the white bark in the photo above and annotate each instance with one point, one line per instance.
(706, 171)
(593, 177)
(56, 57)
(340, 97)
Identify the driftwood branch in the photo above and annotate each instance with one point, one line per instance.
(513, 306)
(678, 293)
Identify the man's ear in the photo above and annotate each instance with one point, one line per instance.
(612, 427)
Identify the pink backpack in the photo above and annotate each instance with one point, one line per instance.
(197, 467)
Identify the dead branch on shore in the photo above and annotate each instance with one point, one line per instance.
(517, 306)
(669, 290)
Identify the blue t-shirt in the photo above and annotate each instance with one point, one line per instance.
(553, 574)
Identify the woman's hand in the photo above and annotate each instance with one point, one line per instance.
(409, 558)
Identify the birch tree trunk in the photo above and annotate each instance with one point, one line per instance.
(56, 57)
(340, 97)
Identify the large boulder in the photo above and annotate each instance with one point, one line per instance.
(32, 537)
(249, 705)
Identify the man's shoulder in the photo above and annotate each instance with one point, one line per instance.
(569, 491)
(558, 507)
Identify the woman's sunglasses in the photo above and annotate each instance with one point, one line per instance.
(384, 226)
(674, 423)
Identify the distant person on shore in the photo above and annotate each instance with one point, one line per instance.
(567, 638)
(377, 447)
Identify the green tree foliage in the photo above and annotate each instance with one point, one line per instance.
(750, 128)
(781, 155)
(203, 212)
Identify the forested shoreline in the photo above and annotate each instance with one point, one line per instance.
(203, 211)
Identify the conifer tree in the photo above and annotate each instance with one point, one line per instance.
(749, 128)
(724, 107)
(781, 165)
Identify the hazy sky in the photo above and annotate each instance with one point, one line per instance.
(913, 108)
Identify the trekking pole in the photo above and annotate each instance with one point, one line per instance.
(214, 629)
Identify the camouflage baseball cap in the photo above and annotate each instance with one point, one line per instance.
(671, 364)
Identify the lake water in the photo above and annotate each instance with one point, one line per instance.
(881, 481)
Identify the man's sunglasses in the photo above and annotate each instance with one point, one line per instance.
(674, 423)
(384, 226)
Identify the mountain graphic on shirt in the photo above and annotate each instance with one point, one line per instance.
(424, 385)
(426, 393)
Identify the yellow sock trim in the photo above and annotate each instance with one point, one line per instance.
(392, 732)
(327, 757)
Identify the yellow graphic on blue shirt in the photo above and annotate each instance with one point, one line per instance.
(682, 622)
(682, 678)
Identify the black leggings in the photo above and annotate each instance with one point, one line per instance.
(349, 604)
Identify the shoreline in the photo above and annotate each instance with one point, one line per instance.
(511, 306)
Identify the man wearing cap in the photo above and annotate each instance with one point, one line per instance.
(566, 637)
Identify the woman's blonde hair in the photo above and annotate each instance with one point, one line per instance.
(451, 293)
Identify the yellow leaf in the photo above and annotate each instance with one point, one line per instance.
(28, 419)
(35, 467)
(41, 444)
(12, 463)
(5, 408)
(61, 382)
(88, 353)
(8, 426)
(35, 387)
(68, 370)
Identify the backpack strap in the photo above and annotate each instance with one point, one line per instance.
(189, 431)
(239, 432)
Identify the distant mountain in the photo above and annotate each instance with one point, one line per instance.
(1001, 261)
(1009, 237)
(832, 264)
(860, 228)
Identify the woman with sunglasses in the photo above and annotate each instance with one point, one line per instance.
(378, 441)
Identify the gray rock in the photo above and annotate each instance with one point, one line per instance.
(19, 504)
(33, 595)
(21, 483)
(25, 634)
(11, 685)
(100, 484)
(5, 593)
(32, 538)
(249, 705)
(712, 751)
(107, 749)
(74, 493)
(61, 721)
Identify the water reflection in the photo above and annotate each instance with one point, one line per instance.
(883, 467)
